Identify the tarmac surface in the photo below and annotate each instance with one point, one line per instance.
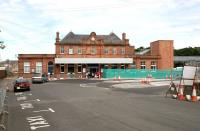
(98, 105)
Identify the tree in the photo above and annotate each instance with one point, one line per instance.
(188, 51)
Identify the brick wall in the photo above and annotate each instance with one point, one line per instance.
(33, 59)
(165, 49)
(2, 74)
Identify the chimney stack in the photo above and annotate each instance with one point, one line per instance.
(123, 36)
(57, 37)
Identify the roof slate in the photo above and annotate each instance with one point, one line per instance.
(72, 38)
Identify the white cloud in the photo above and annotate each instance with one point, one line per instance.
(29, 26)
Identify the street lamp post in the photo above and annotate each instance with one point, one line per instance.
(2, 46)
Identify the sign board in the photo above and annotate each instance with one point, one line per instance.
(189, 72)
(2, 68)
(188, 75)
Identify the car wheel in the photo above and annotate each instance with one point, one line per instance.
(28, 89)
(15, 90)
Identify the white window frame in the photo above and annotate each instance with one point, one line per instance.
(153, 65)
(143, 65)
(106, 50)
(71, 51)
(122, 50)
(62, 50)
(26, 67)
(114, 51)
(79, 51)
(38, 67)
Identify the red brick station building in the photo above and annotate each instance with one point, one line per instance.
(79, 54)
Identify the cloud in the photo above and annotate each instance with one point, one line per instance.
(29, 26)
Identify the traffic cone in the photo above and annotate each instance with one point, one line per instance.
(180, 94)
(188, 97)
(148, 80)
(119, 78)
(142, 81)
(170, 77)
(194, 94)
(115, 78)
(174, 96)
(166, 77)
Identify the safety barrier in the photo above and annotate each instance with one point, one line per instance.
(136, 73)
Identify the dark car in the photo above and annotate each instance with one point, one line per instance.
(21, 84)
(39, 78)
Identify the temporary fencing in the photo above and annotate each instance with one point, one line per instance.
(137, 73)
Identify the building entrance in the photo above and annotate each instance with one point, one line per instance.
(92, 70)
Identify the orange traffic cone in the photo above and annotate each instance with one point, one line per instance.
(119, 78)
(148, 80)
(194, 94)
(142, 81)
(166, 77)
(115, 78)
(180, 94)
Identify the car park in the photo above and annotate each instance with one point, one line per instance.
(21, 84)
(39, 78)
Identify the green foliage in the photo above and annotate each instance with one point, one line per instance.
(189, 51)
(139, 49)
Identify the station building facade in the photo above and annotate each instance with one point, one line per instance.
(77, 55)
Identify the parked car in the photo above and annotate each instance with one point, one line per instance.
(21, 84)
(39, 78)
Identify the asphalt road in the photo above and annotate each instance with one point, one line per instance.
(88, 105)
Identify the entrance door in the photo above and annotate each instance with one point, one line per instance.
(50, 67)
(92, 70)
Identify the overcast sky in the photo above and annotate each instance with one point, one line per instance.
(30, 26)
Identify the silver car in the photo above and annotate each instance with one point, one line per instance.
(39, 78)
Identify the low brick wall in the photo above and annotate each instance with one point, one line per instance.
(2, 74)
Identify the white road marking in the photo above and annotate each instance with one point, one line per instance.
(26, 106)
(32, 100)
(89, 85)
(21, 98)
(37, 122)
(20, 93)
(49, 109)
(17, 94)
(36, 127)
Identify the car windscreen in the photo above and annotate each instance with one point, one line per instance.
(37, 75)
(21, 80)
